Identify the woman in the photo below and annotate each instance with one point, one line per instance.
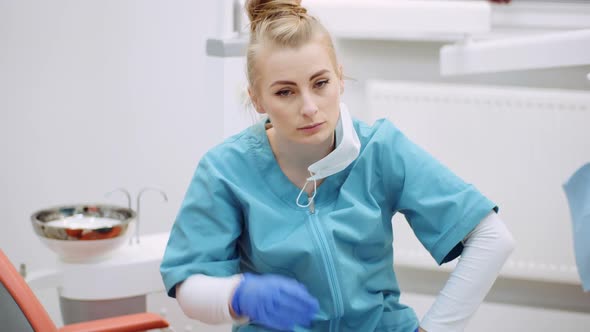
(287, 225)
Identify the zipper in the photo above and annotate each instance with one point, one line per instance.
(329, 265)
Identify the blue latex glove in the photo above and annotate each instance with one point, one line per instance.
(274, 301)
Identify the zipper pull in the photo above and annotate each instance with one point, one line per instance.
(311, 205)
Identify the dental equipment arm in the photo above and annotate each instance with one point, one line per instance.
(128, 323)
(485, 250)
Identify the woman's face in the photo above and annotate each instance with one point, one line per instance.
(299, 89)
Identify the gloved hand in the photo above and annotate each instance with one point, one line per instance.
(274, 301)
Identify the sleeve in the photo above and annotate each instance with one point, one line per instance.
(440, 207)
(203, 237)
(487, 248)
(207, 298)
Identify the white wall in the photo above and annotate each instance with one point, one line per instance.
(96, 95)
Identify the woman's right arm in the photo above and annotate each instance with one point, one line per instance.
(203, 239)
(271, 300)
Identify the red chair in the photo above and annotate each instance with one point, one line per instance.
(20, 310)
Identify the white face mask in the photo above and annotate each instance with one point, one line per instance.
(347, 149)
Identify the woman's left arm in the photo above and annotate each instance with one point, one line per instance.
(485, 251)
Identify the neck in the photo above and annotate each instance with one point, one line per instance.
(294, 159)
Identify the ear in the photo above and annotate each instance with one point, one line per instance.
(341, 79)
(255, 102)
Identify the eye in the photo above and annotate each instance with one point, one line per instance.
(283, 93)
(322, 83)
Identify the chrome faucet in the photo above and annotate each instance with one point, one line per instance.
(137, 212)
(138, 207)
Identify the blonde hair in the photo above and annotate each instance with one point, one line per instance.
(282, 23)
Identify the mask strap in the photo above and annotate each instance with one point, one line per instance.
(315, 190)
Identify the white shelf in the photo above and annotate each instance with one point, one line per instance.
(390, 19)
(557, 49)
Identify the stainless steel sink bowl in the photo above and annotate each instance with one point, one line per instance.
(83, 231)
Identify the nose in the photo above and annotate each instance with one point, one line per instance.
(309, 108)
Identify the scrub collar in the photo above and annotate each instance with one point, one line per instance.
(347, 150)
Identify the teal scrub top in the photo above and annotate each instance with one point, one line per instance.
(240, 215)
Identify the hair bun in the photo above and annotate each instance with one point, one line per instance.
(262, 10)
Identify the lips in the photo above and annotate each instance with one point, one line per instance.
(311, 126)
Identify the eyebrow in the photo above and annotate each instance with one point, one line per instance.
(319, 73)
